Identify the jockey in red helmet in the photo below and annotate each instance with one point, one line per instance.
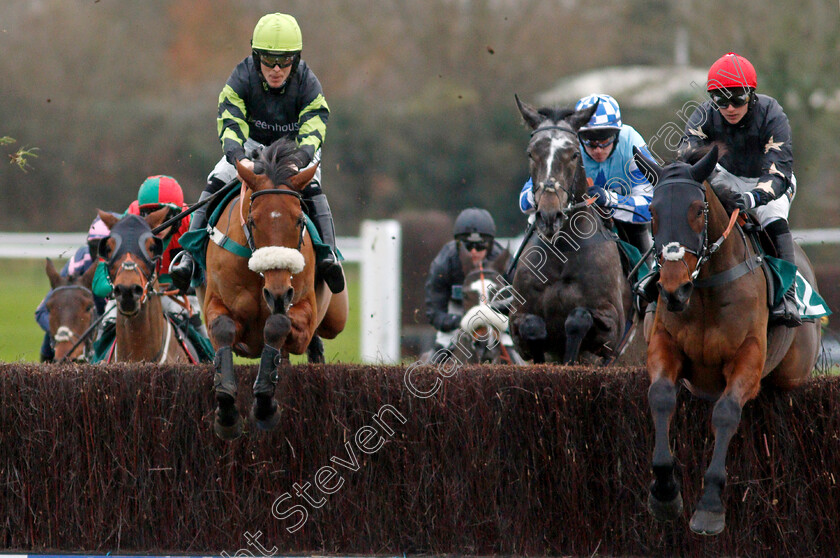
(758, 159)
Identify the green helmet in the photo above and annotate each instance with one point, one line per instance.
(277, 33)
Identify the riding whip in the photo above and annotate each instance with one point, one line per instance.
(222, 192)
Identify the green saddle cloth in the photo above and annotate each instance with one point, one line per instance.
(196, 241)
(783, 273)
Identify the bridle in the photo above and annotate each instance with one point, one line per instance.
(551, 185)
(674, 251)
(129, 265)
(64, 333)
(248, 224)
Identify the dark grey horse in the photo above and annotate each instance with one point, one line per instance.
(576, 301)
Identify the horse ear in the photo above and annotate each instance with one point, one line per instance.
(55, 278)
(246, 174)
(157, 217)
(582, 116)
(86, 279)
(529, 113)
(649, 168)
(701, 170)
(109, 219)
(302, 179)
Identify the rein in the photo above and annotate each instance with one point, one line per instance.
(552, 186)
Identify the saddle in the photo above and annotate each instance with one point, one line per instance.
(196, 241)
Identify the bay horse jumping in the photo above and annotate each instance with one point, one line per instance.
(72, 310)
(710, 327)
(577, 301)
(267, 305)
(131, 251)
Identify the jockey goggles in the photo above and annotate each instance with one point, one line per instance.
(469, 246)
(725, 97)
(283, 60)
(595, 143)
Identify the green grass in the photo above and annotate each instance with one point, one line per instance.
(23, 283)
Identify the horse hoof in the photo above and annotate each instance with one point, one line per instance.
(707, 523)
(665, 511)
(266, 416)
(228, 432)
(228, 423)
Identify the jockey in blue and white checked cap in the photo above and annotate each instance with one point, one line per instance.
(620, 187)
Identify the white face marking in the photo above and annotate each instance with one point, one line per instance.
(557, 144)
(276, 214)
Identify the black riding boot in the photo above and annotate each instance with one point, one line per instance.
(638, 234)
(786, 312)
(183, 266)
(328, 268)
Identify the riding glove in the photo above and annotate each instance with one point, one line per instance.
(605, 198)
(753, 198)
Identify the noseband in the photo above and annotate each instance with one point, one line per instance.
(64, 333)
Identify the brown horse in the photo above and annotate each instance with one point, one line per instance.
(576, 300)
(268, 305)
(71, 307)
(710, 327)
(143, 333)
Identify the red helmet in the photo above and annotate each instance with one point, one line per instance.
(160, 190)
(731, 70)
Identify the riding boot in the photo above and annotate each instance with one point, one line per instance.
(328, 268)
(786, 312)
(644, 242)
(183, 267)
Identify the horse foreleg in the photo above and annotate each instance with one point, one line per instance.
(228, 423)
(664, 365)
(743, 385)
(315, 351)
(265, 410)
(532, 334)
(577, 324)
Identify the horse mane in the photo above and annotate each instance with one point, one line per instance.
(727, 196)
(556, 114)
(277, 160)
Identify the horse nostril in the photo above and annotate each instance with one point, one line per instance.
(137, 291)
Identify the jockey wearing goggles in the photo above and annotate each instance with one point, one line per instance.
(757, 160)
(272, 94)
(475, 232)
(620, 188)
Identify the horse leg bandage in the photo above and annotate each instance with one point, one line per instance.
(276, 257)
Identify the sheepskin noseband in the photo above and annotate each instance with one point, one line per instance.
(276, 257)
